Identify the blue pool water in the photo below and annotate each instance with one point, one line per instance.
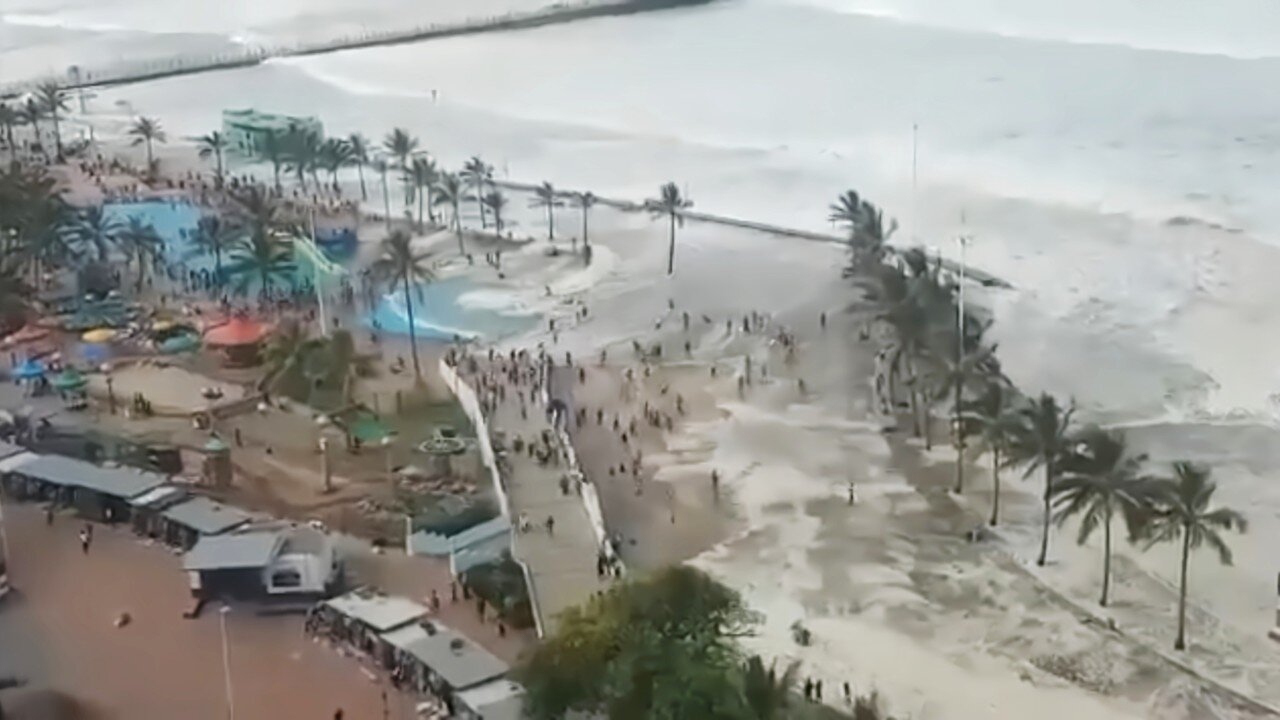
(437, 314)
(175, 223)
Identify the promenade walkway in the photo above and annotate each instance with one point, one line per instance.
(561, 561)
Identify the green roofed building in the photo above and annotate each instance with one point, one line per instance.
(246, 130)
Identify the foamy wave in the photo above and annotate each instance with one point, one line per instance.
(59, 21)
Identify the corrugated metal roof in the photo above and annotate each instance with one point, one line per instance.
(450, 654)
(160, 497)
(499, 699)
(119, 482)
(206, 516)
(380, 612)
(13, 462)
(232, 552)
(8, 448)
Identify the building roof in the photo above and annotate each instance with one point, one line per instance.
(237, 331)
(159, 498)
(451, 655)
(380, 612)
(233, 552)
(499, 699)
(118, 482)
(206, 516)
(7, 449)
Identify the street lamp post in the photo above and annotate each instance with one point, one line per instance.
(387, 441)
(322, 422)
(226, 662)
(956, 429)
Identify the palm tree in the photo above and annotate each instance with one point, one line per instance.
(868, 234)
(96, 231)
(260, 255)
(9, 118)
(216, 237)
(141, 242)
(400, 264)
(286, 351)
(994, 416)
(449, 191)
(1182, 513)
(30, 114)
(423, 176)
(302, 149)
(53, 100)
(766, 691)
(669, 203)
(381, 166)
(212, 145)
(477, 174)
(399, 144)
(1101, 477)
(147, 130)
(335, 154)
(545, 196)
(359, 145)
(276, 152)
(585, 201)
(15, 293)
(496, 202)
(953, 372)
(1042, 440)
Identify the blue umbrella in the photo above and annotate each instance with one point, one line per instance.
(184, 342)
(29, 370)
(95, 353)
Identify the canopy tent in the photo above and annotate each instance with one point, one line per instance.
(69, 380)
(184, 342)
(99, 336)
(29, 370)
(236, 332)
(109, 312)
(27, 334)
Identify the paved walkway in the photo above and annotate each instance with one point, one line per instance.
(562, 563)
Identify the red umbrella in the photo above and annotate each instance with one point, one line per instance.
(237, 331)
(26, 334)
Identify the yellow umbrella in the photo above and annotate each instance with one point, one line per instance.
(100, 335)
(162, 325)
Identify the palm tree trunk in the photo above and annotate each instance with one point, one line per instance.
(275, 166)
(671, 247)
(421, 227)
(995, 482)
(217, 266)
(386, 200)
(151, 162)
(413, 334)
(364, 194)
(480, 204)
(959, 440)
(457, 224)
(551, 222)
(1181, 642)
(218, 156)
(1106, 558)
(57, 135)
(1044, 529)
(585, 242)
(431, 208)
(13, 149)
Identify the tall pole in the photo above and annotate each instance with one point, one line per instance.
(963, 240)
(226, 662)
(915, 218)
(315, 263)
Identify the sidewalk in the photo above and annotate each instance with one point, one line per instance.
(562, 565)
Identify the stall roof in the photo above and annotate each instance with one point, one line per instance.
(499, 699)
(233, 552)
(160, 497)
(206, 516)
(380, 612)
(450, 654)
(119, 482)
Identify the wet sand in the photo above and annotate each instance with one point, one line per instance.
(161, 665)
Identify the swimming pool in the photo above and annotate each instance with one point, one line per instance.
(175, 223)
(438, 315)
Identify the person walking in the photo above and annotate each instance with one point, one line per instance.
(86, 538)
(551, 526)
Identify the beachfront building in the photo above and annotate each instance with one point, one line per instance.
(263, 564)
(238, 340)
(359, 618)
(439, 661)
(97, 493)
(499, 699)
(247, 130)
(173, 516)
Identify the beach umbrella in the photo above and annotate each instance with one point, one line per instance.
(185, 342)
(26, 334)
(160, 326)
(29, 370)
(69, 380)
(237, 331)
(95, 354)
(99, 336)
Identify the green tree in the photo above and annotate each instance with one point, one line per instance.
(96, 231)
(584, 201)
(147, 131)
(212, 145)
(1042, 440)
(768, 693)
(382, 167)
(261, 255)
(662, 646)
(9, 119)
(669, 203)
(53, 100)
(545, 196)
(400, 264)
(140, 242)
(423, 175)
(1101, 478)
(1183, 513)
(335, 154)
(477, 175)
(217, 237)
(302, 148)
(496, 202)
(30, 114)
(993, 416)
(275, 151)
(359, 145)
(400, 145)
(449, 192)
(868, 233)
(953, 373)
(15, 293)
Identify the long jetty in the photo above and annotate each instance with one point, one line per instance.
(125, 73)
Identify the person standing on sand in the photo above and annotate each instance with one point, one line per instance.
(551, 526)
(86, 538)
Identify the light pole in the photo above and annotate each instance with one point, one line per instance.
(387, 441)
(956, 429)
(322, 422)
(226, 662)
